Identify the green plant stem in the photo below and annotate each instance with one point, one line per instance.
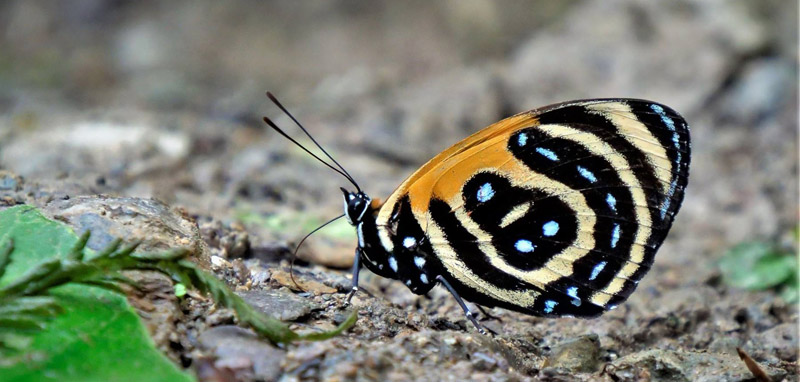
(104, 270)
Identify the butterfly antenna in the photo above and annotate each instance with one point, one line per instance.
(346, 174)
(281, 132)
(294, 254)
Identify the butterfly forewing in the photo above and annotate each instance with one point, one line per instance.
(558, 211)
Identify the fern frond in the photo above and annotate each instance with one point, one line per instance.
(24, 303)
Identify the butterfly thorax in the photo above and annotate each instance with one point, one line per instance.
(397, 250)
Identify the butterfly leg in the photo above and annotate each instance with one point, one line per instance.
(356, 269)
(470, 315)
(488, 316)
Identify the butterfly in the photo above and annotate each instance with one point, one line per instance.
(554, 212)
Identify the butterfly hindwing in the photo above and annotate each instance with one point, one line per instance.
(558, 211)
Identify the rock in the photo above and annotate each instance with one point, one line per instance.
(218, 263)
(234, 244)
(259, 276)
(580, 355)
(9, 181)
(676, 312)
(483, 362)
(241, 350)
(158, 226)
(781, 340)
(724, 345)
(284, 306)
(519, 352)
(307, 281)
(225, 240)
(680, 366)
(688, 300)
(307, 354)
(328, 252)
(219, 317)
(154, 298)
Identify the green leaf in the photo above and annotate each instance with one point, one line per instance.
(14, 341)
(738, 263)
(98, 337)
(31, 233)
(770, 271)
(44, 305)
(791, 291)
(5, 255)
(180, 290)
(757, 265)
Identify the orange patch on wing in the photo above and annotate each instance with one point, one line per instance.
(442, 173)
(445, 181)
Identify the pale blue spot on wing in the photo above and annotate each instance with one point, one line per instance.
(550, 228)
(485, 192)
(525, 246)
(522, 139)
(612, 202)
(665, 206)
(676, 142)
(393, 264)
(664, 117)
(419, 261)
(423, 278)
(573, 292)
(549, 305)
(549, 154)
(587, 174)
(409, 242)
(615, 236)
(597, 269)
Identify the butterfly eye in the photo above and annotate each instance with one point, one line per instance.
(355, 205)
(359, 205)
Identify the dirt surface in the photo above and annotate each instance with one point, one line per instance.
(142, 119)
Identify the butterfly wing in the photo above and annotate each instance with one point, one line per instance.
(558, 211)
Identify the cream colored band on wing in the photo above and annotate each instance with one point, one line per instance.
(639, 135)
(456, 267)
(386, 239)
(559, 265)
(382, 221)
(597, 146)
(517, 212)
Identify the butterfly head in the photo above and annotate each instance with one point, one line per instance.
(356, 205)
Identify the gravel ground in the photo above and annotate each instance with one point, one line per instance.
(142, 119)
